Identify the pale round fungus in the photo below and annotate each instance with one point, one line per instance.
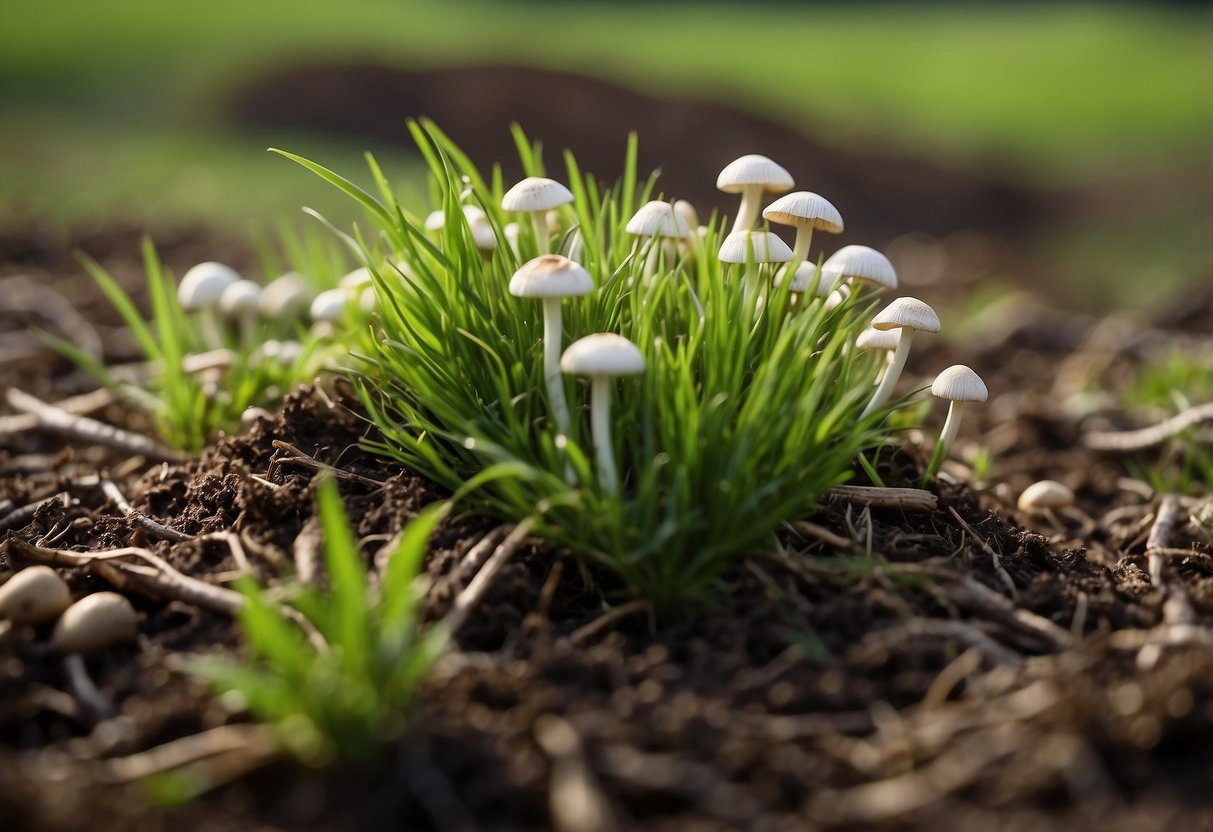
(860, 263)
(95, 623)
(806, 212)
(34, 595)
(752, 176)
(537, 195)
(910, 315)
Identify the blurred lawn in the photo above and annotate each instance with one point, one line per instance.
(104, 103)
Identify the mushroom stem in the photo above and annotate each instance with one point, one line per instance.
(543, 240)
(892, 373)
(800, 249)
(248, 330)
(951, 426)
(753, 285)
(747, 212)
(600, 426)
(212, 332)
(552, 336)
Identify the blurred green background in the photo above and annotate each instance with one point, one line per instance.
(121, 111)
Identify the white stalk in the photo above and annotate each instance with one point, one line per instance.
(600, 426)
(248, 329)
(747, 212)
(753, 285)
(552, 337)
(800, 249)
(892, 373)
(542, 239)
(212, 333)
(951, 426)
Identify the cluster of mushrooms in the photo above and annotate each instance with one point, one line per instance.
(762, 254)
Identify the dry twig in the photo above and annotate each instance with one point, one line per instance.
(89, 430)
(906, 499)
(471, 595)
(139, 518)
(1138, 440)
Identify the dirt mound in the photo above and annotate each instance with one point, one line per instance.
(880, 196)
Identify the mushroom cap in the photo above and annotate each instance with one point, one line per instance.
(94, 623)
(285, 296)
(767, 246)
(355, 280)
(434, 220)
(751, 170)
(482, 232)
(907, 313)
(688, 213)
(878, 339)
(241, 299)
(536, 193)
(1045, 494)
(658, 219)
(551, 276)
(34, 595)
(602, 354)
(805, 208)
(204, 283)
(803, 279)
(861, 263)
(958, 383)
(329, 306)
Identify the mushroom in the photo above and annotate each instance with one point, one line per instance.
(688, 213)
(876, 339)
(242, 301)
(859, 263)
(552, 277)
(285, 298)
(352, 282)
(602, 356)
(34, 595)
(537, 195)
(328, 308)
(511, 231)
(753, 248)
(478, 222)
(656, 219)
(94, 623)
(805, 211)
(959, 385)
(751, 176)
(1046, 497)
(836, 297)
(909, 315)
(200, 290)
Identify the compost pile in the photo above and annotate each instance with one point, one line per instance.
(956, 663)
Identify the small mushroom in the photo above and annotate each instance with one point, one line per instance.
(910, 315)
(34, 595)
(859, 263)
(958, 385)
(805, 211)
(353, 282)
(285, 298)
(875, 339)
(753, 248)
(656, 219)
(95, 623)
(328, 308)
(603, 356)
(751, 176)
(200, 290)
(1046, 497)
(242, 302)
(552, 277)
(537, 195)
(478, 223)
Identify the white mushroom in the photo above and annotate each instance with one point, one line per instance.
(753, 248)
(909, 315)
(537, 195)
(1046, 497)
(603, 356)
(752, 176)
(352, 282)
(876, 339)
(285, 298)
(241, 302)
(656, 219)
(200, 290)
(552, 277)
(860, 263)
(958, 385)
(805, 211)
(328, 308)
(95, 623)
(34, 595)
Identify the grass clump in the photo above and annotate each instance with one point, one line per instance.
(342, 692)
(749, 410)
(1166, 387)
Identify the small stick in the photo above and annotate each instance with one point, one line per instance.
(306, 552)
(91, 703)
(76, 405)
(139, 518)
(298, 457)
(89, 430)
(1170, 511)
(918, 629)
(576, 800)
(906, 499)
(471, 595)
(475, 557)
(588, 631)
(807, 529)
(20, 516)
(1137, 440)
(988, 549)
(225, 739)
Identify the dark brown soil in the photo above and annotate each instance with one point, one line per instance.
(828, 689)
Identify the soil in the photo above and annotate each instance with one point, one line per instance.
(827, 689)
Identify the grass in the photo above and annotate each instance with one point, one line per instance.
(344, 693)
(744, 416)
(1165, 387)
